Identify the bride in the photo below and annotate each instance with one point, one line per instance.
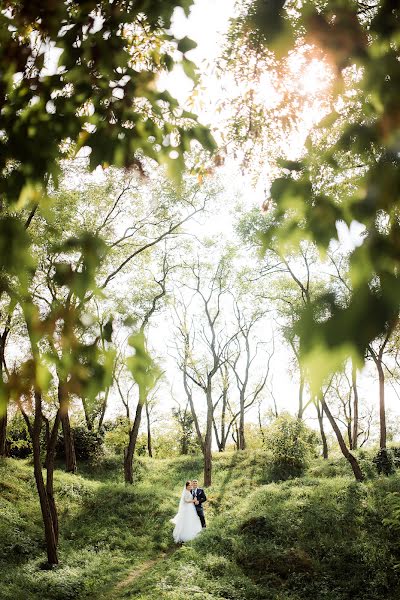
(186, 521)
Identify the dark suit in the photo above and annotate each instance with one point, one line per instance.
(201, 497)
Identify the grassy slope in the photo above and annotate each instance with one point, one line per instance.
(317, 537)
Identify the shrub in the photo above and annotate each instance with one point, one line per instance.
(88, 444)
(384, 462)
(18, 439)
(291, 444)
(116, 435)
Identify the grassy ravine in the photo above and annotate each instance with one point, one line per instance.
(319, 537)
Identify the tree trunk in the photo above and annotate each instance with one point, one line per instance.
(47, 516)
(193, 411)
(103, 409)
(50, 455)
(3, 408)
(130, 449)
(3, 433)
(208, 440)
(241, 438)
(149, 442)
(320, 412)
(70, 457)
(224, 435)
(220, 443)
(301, 395)
(88, 418)
(345, 451)
(382, 410)
(355, 406)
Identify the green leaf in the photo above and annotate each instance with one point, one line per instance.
(141, 365)
(186, 44)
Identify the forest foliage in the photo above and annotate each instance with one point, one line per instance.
(104, 179)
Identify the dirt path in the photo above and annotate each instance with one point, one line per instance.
(137, 572)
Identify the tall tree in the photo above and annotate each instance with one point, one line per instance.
(203, 344)
(246, 353)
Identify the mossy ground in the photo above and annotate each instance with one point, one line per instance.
(321, 536)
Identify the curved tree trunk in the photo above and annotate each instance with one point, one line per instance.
(355, 406)
(130, 449)
(189, 396)
(49, 513)
(320, 413)
(342, 444)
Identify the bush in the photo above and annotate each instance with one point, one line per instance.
(18, 439)
(88, 444)
(291, 444)
(384, 462)
(116, 435)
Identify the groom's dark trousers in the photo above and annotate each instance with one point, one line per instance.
(201, 497)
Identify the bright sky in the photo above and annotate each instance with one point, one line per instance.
(207, 24)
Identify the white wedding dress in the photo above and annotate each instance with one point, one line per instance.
(186, 521)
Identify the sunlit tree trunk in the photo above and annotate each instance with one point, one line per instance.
(320, 413)
(355, 405)
(149, 440)
(69, 447)
(130, 449)
(301, 396)
(342, 444)
(208, 439)
(47, 504)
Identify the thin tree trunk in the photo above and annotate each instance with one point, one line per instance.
(3, 409)
(241, 438)
(342, 444)
(301, 396)
(130, 449)
(3, 433)
(320, 412)
(355, 405)
(47, 516)
(193, 411)
(70, 457)
(222, 444)
(88, 419)
(149, 441)
(50, 455)
(208, 440)
(382, 410)
(103, 408)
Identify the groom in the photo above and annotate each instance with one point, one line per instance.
(199, 497)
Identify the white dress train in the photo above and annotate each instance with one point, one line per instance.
(186, 521)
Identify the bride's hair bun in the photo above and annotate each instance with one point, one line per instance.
(187, 483)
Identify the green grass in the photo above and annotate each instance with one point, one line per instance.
(319, 537)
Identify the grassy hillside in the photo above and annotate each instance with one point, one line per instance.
(321, 536)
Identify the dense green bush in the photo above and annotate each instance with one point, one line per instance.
(18, 439)
(291, 444)
(88, 444)
(116, 435)
(384, 461)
